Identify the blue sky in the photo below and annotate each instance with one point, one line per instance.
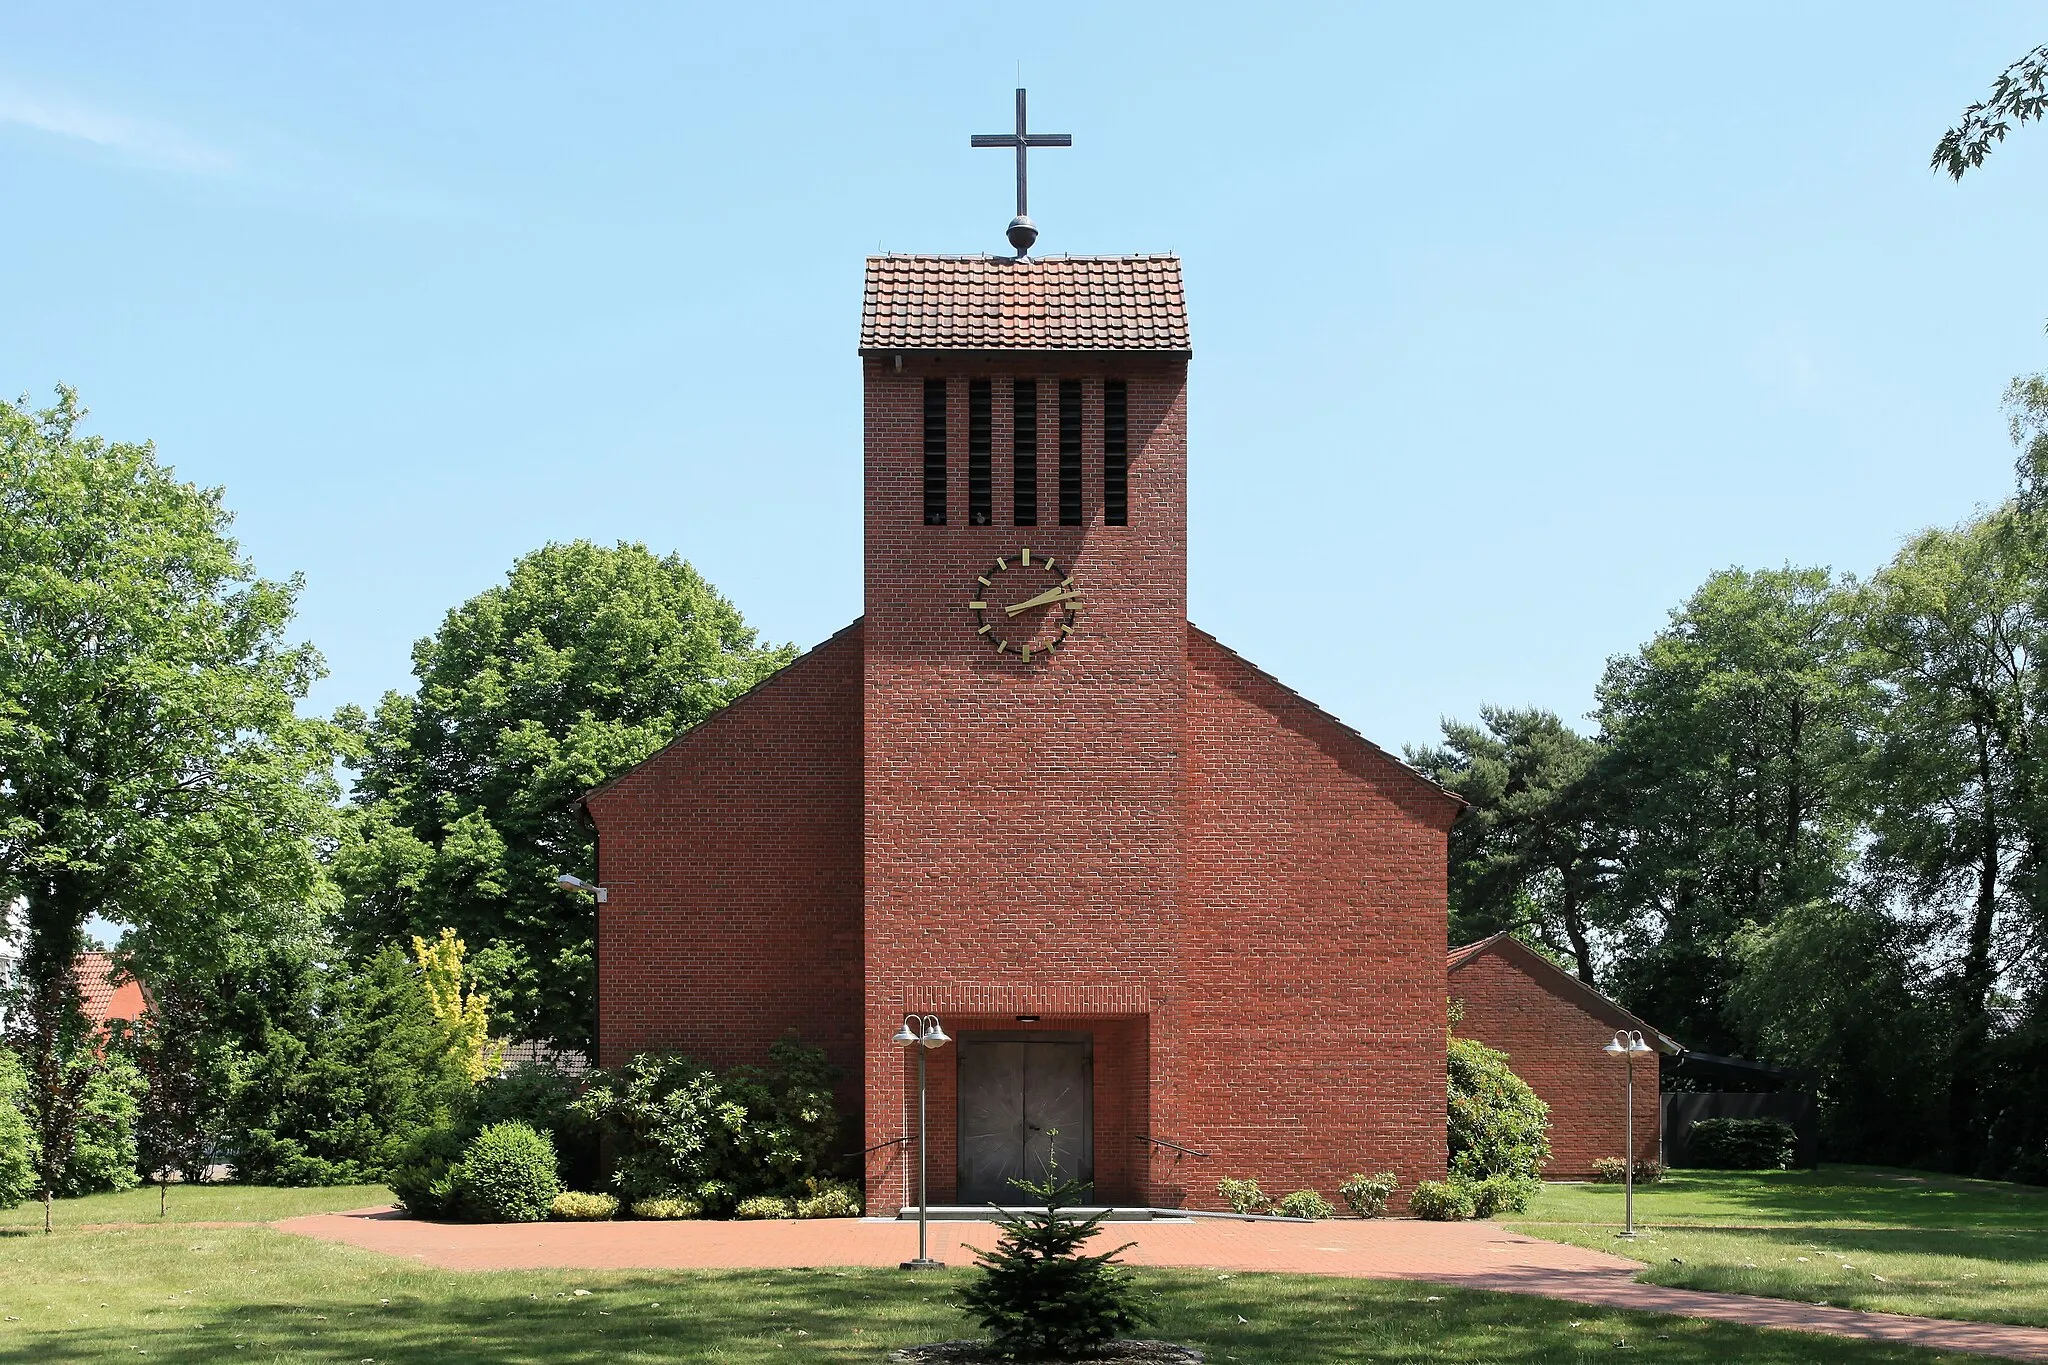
(1512, 322)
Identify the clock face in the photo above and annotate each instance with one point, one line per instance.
(1025, 606)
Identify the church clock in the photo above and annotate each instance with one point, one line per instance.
(1025, 606)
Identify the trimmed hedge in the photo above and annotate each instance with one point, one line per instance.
(573, 1206)
(507, 1175)
(829, 1199)
(765, 1206)
(1743, 1144)
(1498, 1194)
(667, 1209)
(1612, 1170)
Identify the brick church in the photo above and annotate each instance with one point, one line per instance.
(1166, 907)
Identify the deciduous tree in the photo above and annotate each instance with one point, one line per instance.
(583, 662)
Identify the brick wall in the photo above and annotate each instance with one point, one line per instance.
(1023, 823)
(1553, 1036)
(1312, 1017)
(732, 859)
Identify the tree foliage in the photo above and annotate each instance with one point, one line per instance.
(1531, 854)
(346, 1084)
(2019, 95)
(156, 772)
(583, 662)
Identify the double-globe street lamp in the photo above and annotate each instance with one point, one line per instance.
(1628, 1044)
(922, 1032)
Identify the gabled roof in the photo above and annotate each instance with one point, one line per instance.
(106, 994)
(847, 631)
(1560, 982)
(997, 303)
(1456, 802)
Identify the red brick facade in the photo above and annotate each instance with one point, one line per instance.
(1552, 1026)
(1146, 841)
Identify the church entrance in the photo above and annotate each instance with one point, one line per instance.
(1025, 1099)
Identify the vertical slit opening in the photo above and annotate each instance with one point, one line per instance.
(980, 434)
(1116, 460)
(1024, 452)
(1070, 452)
(935, 452)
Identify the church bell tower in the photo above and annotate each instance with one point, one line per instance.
(1025, 669)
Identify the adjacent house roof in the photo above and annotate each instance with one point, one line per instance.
(104, 995)
(996, 303)
(1560, 982)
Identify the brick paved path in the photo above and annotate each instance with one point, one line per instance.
(1468, 1255)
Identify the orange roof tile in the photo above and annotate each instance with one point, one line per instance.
(105, 995)
(996, 303)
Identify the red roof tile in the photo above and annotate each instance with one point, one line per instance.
(104, 996)
(996, 303)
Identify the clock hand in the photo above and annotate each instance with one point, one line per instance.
(1045, 598)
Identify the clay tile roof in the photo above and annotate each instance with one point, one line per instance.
(95, 984)
(995, 303)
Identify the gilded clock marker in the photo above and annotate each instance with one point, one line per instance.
(983, 581)
(1002, 565)
(1027, 653)
(977, 606)
(1048, 561)
(1026, 561)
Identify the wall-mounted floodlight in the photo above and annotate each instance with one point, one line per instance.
(569, 883)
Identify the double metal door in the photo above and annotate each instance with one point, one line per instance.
(1025, 1102)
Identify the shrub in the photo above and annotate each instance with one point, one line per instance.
(507, 1175)
(682, 1128)
(1612, 1170)
(829, 1199)
(546, 1098)
(337, 1092)
(1367, 1196)
(667, 1208)
(573, 1206)
(1037, 1296)
(424, 1179)
(1244, 1196)
(1497, 1124)
(18, 1148)
(1498, 1194)
(1743, 1144)
(765, 1206)
(1304, 1204)
(1440, 1201)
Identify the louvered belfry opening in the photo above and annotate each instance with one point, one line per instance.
(1070, 452)
(980, 436)
(935, 452)
(1024, 452)
(1115, 453)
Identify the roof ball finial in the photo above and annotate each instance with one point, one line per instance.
(1022, 232)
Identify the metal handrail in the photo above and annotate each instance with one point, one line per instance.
(1175, 1146)
(892, 1142)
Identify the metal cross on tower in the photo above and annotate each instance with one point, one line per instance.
(1022, 232)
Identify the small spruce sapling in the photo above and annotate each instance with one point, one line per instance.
(1038, 1297)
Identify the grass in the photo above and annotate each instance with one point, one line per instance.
(1833, 1196)
(196, 1204)
(1852, 1237)
(186, 1295)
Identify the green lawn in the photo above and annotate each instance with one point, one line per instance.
(1889, 1241)
(1833, 1196)
(197, 1204)
(191, 1295)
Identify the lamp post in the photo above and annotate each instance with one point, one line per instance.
(923, 1033)
(1628, 1044)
